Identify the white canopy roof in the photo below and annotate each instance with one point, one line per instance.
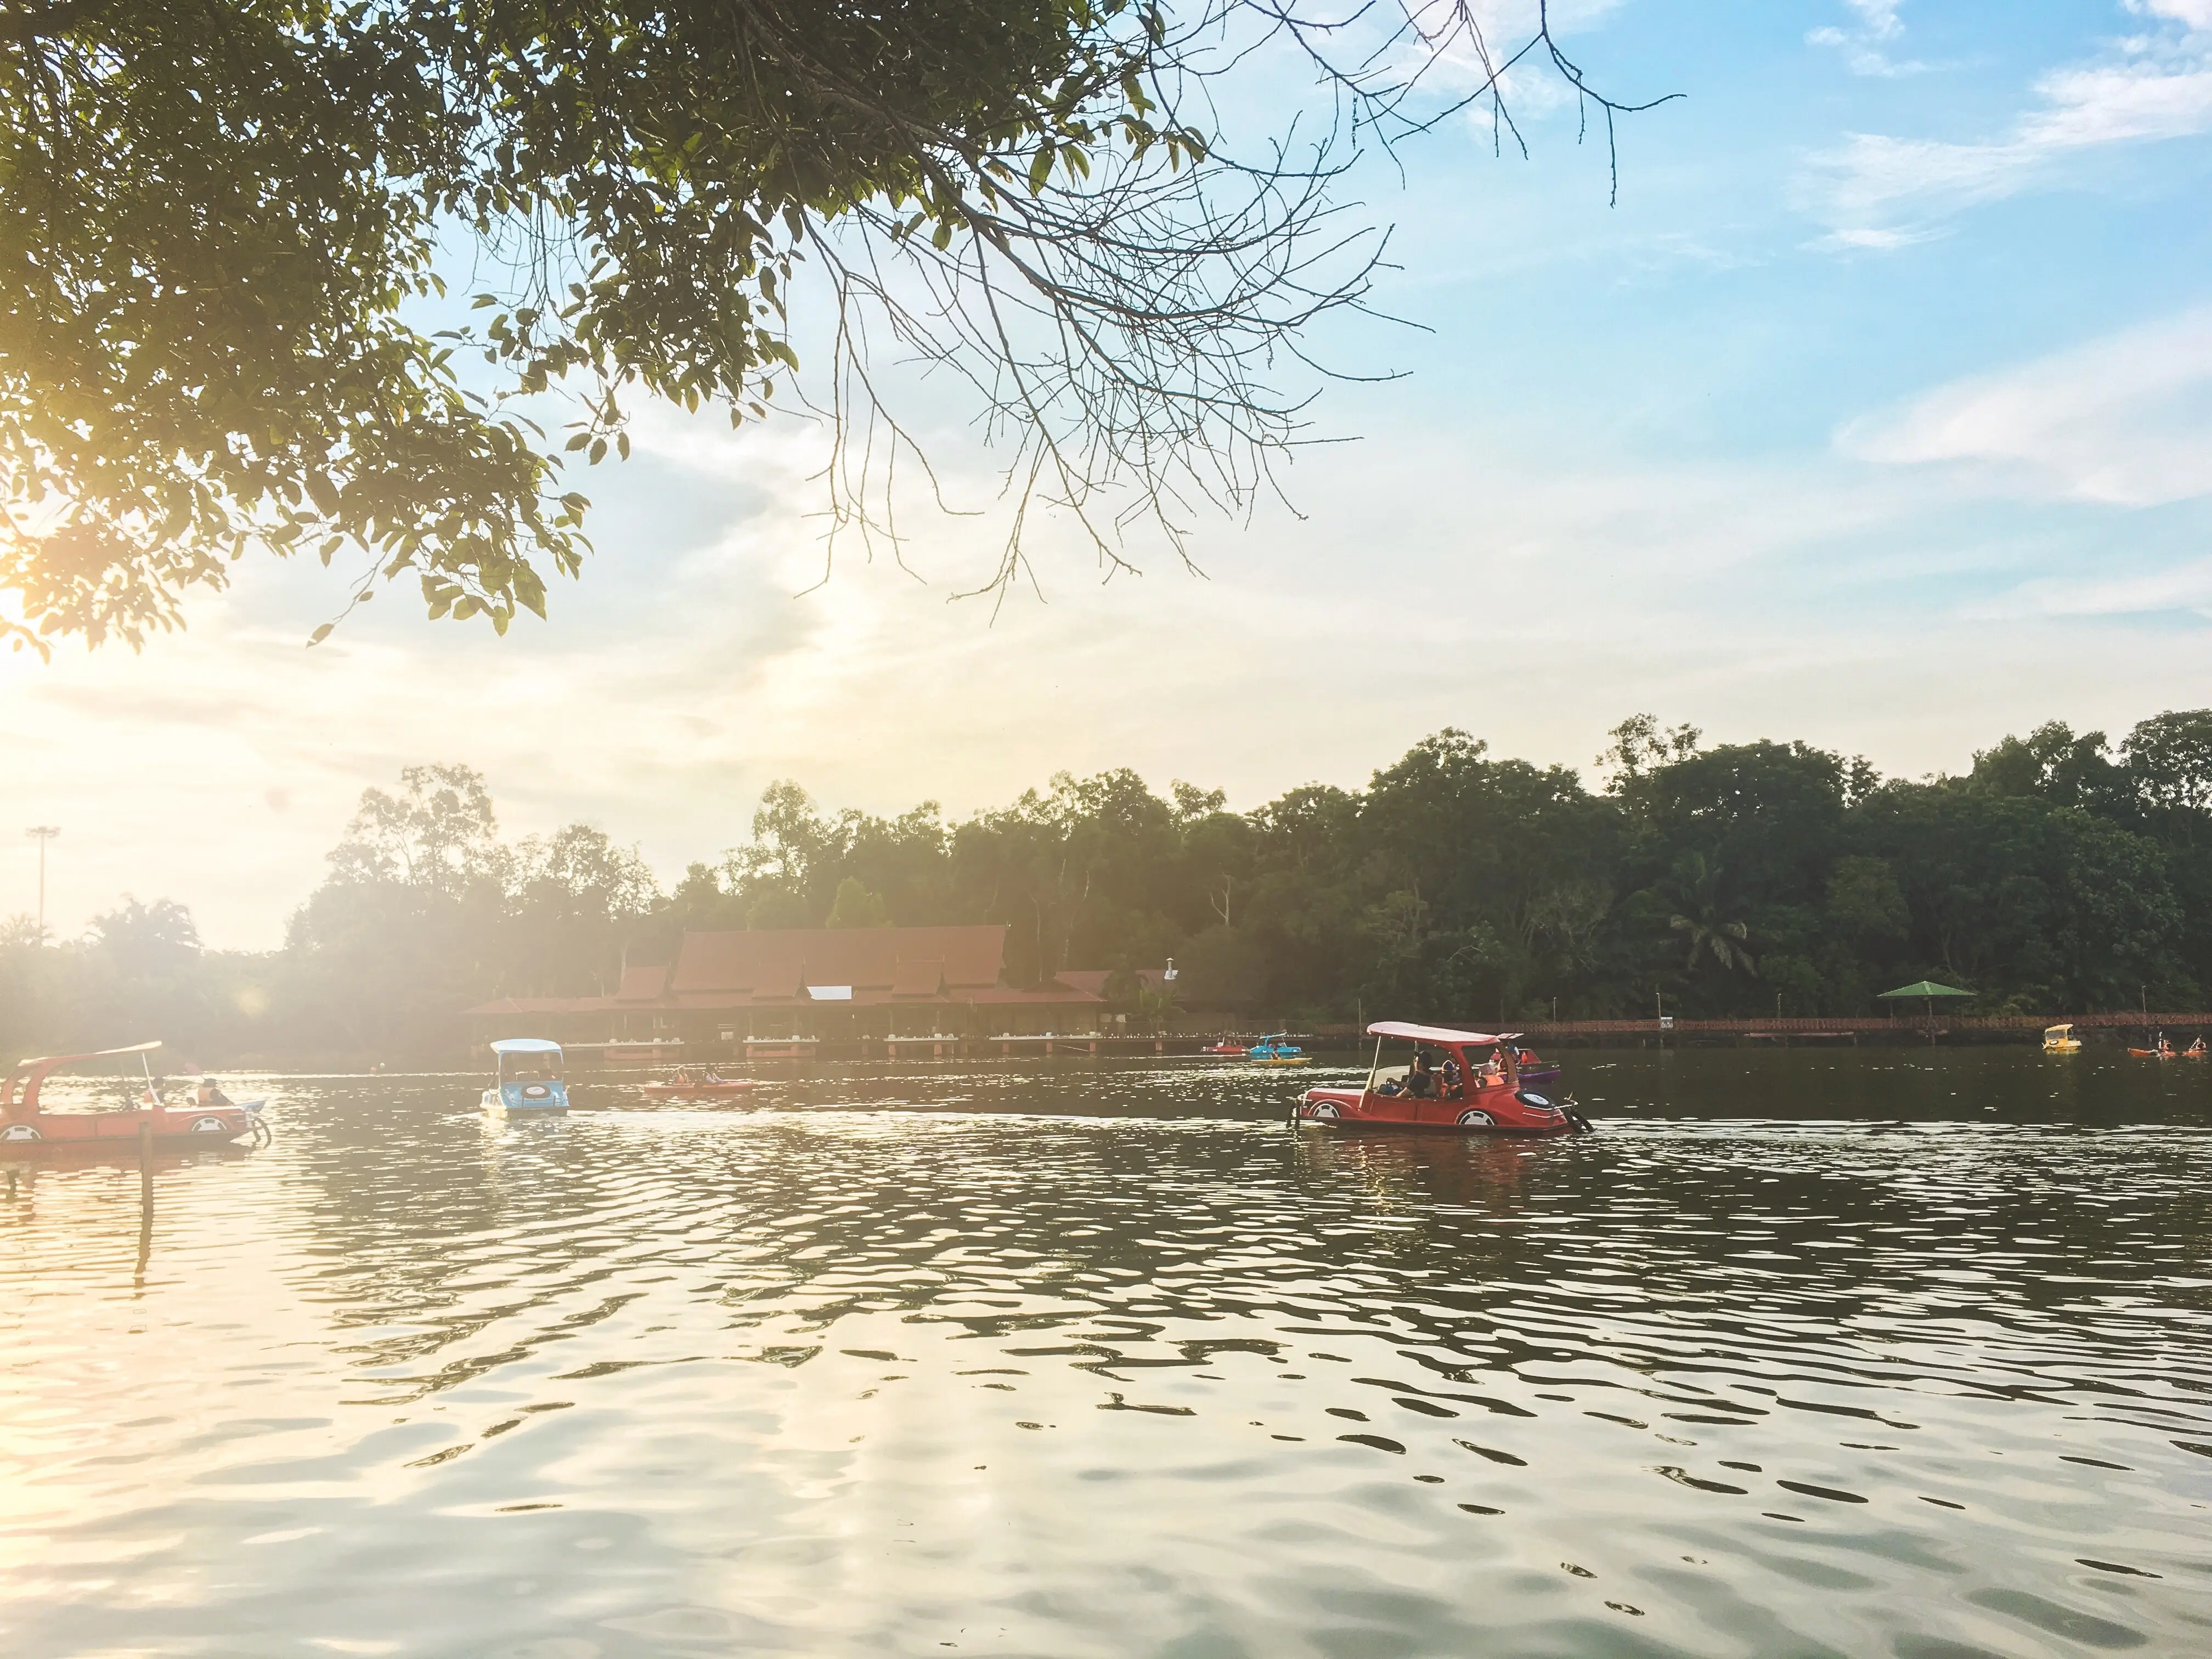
(524, 1046)
(1439, 1034)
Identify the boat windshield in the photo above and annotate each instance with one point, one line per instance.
(529, 1068)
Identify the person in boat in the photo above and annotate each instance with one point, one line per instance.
(1451, 1077)
(1420, 1081)
(209, 1097)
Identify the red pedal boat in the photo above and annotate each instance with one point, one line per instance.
(26, 1125)
(692, 1082)
(1462, 1081)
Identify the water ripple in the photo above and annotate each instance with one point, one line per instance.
(1075, 1360)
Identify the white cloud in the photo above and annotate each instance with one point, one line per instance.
(1862, 46)
(2126, 420)
(1879, 190)
(2194, 14)
(2186, 587)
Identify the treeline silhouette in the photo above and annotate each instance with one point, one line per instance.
(2063, 873)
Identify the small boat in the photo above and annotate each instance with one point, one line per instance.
(529, 1077)
(1274, 1050)
(2194, 1051)
(1535, 1072)
(1466, 1081)
(27, 1126)
(1228, 1048)
(697, 1083)
(2060, 1040)
(2164, 1051)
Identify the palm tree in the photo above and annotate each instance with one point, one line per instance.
(1726, 942)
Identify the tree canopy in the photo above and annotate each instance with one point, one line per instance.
(1456, 886)
(223, 222)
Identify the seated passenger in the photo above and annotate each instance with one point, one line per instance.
(1452, 1077)
(1421, 1082)
(210, 1095)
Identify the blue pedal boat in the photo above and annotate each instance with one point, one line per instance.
(529, 1077)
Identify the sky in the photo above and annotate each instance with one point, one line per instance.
(1876, 413)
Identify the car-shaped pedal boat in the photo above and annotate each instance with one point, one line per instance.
(529, 1079)
(1459, 1081)
(27, 1127)
(1277, 1049)
(697, 1083)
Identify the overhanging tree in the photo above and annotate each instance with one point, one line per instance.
(215, 213)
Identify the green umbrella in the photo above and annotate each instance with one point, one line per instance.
(1929, 990)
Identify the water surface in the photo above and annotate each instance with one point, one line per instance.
(1876, 1353)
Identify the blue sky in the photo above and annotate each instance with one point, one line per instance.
(1878, 412)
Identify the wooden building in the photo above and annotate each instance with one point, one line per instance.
(812, 986)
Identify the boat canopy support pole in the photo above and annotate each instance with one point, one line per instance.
(1373, 1066)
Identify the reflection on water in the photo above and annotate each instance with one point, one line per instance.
(1075, 1361)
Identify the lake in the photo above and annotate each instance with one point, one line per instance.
(1898, 1352)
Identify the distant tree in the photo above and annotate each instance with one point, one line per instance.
(1865, 903)
(1640, 745)
(573, 899)
(856, 907)
(1156, 1007)
(1457, 886)
(1122, 986)
(439, 832)
(148, 940)
(774, 909)
(1217, 970)
(2053, 764)
(2168, 760)
(1704, 930)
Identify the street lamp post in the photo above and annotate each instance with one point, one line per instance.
(42, 833)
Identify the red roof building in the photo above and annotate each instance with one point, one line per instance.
(819, 984)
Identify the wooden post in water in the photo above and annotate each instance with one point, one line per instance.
(145, 1193)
